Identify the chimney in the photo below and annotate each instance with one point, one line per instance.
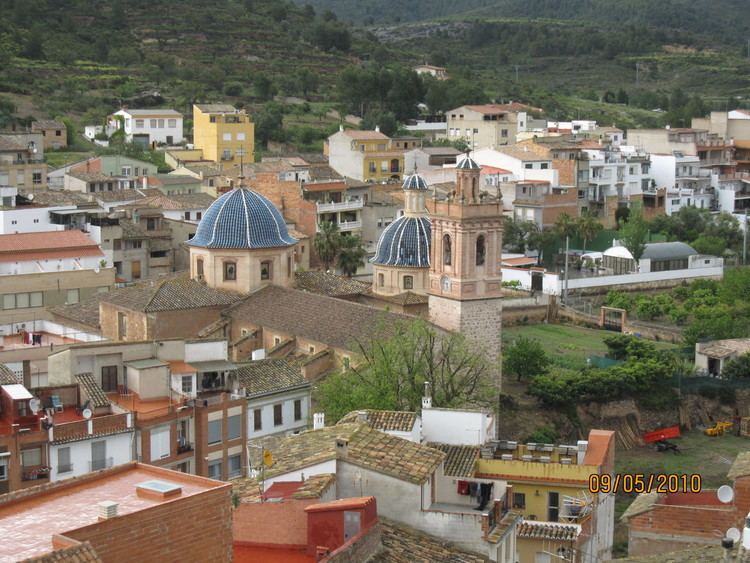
(107, 509)
(377, 128)
(427, 399)
(361, 416)
(342, 448)
(582, 446)
(319, 420)
(341, 126)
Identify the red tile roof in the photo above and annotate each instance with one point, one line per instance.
(47, 245)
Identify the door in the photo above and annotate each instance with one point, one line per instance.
(351, 524)
(553, 506)
(109, 378)
(537, 281)
(170, 140)
(135, 269)
(98, 455)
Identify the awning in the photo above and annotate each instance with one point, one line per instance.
(181, 367)
(216, 365)
(69, 212)
(147, 363)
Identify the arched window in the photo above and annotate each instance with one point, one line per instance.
(447, 256)
(408, 282)
(230, 271)
(199, 267)
(481, 250)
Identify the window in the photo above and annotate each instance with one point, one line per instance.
(553, 506)
(153, 123)
(408, 282)
(528, 166)
(230, 271)
(22, 300)
(227, 137)
(544, 165)
(109, 378)
(212, 119)
(226, 154)
(134, 244)
(58, 133)
(22, 408)
(122, 326)
(276, 340)
(31, 457)
(187, 384)
(234, 427)
(240, 136)
(311, 349)
(372, 168)
(278, 418)
(447, 256)
(235, 466)
(384, 166)
(519, 500)
(214, 469)
(265, 270)
(257, 420)
(36, 177)
(160, 443)
(73, 296)
(199, 267)
(126, 170)
(139, 124)
(381, 280)
(172, 123)
(4, 468)
(214, 431)
(36, 299)
(198, 215)
(298, 409)
(63, 460)
(161, 124)
(187, 215)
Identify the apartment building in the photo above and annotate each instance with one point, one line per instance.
(490, 125)
(713, 151)
(223, 133)
(687, 183)
(367, 156)
(148, 127)
(22, 161)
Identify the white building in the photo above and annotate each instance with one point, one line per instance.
(622, 173)
(686, 182)
(278, 397)
(148, 126)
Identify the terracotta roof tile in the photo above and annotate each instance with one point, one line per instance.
(91, 389)
(460, 461)
(400, 421)
(85, 313)
(325, 283)
(270, 375)
(313, 487)
(364, 135)
(403, 544)
(47, 124)
(740, 467)
(82, 553)
(642, 503)
(548, 531)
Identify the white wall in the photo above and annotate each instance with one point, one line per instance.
(317, 469)
(205, 351)
(599, 281)
(119, 448)
(50, 266)
(498, 159)
(457, 427)
(663, 170)
(343, 159)
(28, 220)
(156, 134)
(51, 328)
(266, 405)
(550, 283)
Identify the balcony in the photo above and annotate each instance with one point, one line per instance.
(349, 205)
(160, 262)
(98, 464)
(35, 474)
(350, 225)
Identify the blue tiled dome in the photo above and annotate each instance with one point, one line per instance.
(415, 182)
(242, 218)
(405, 242)
(468, 163)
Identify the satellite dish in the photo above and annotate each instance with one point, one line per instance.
(30, 197)
(725, 494)
(34, 405)
(87, 413)
(734, 534)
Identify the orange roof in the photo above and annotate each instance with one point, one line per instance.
(324, 186)
(364, 135)
(177, 366)
(341, 504)
(600, 442)
(253, 554)
(519, 261)
(46, 245)
(495, 170)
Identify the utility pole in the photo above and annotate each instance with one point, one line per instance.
(565, 289)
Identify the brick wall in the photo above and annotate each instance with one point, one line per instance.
(258, 523)
(196, 528)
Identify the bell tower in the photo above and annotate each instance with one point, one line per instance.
(465, 282)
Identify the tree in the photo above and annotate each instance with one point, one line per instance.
(391, 371)
(634, 234)
(738, 367)
(588, 227)
(565, 226)
(327, 242)
(351, 255)
(269, 124)
(525, 357)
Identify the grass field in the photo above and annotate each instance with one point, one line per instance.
(56, 159)
(567, 346)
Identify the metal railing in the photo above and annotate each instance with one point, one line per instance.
(349, 205)
(97, 464)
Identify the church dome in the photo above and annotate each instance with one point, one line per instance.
(242, 219)
(405, 242)
(468, 163)
(415, 182)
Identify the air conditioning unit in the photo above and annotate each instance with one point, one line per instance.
(566, 461)
(527, 457)
(507, 457)
(544, 459)
(531, 447)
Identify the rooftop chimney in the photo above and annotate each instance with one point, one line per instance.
(319, 420)
(342, 448)
(107, 509)
(341, 126)
(377, 128)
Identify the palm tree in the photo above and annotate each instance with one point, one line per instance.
(588, 228)
(327, 242)
(351, 255)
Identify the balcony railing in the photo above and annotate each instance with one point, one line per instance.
(97, 464)
(183, 447)
(350, 205)
(350, 225)
(35, 474)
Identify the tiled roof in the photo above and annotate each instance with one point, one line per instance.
(695, 554)
(520, 153)
(642, 503)
(335, 322)
(367, 447)
(399, 421)
(248, 490)
(268, 376)
(47, 124)
(364, 135)
(548, 531)
(171, 293)
(468, 163)
(117, 195)
(8, 376)
(460, 461)
(216, 108)
(92, 390)
(403, 544)
(326, 283)
(242, 218)
(404, 298)
(405, 242)
(415, 182)
(47, 245)
(85, 312)
(82, 553)
(58, 198)
(740, 467)
(177, 201)
(8, 143)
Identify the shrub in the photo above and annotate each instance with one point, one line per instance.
(543, 435)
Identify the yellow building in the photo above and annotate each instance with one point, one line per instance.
(550, 487)
(367, 156)
(223, 133)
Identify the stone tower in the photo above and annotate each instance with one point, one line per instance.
(465, 285)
